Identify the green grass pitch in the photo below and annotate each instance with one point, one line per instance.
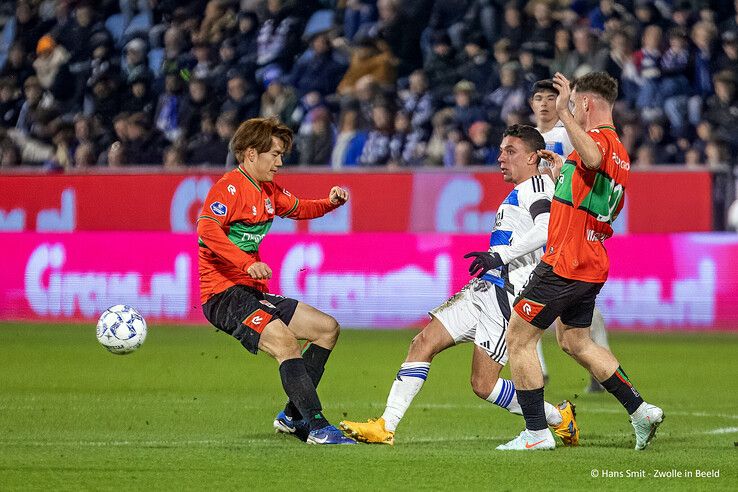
(192, 410)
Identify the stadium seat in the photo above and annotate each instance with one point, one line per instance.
(156, 56)
(140, 23)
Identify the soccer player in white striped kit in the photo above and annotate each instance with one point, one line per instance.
(479, 313)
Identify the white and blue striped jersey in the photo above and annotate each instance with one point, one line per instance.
(557, 140)
(520, 231)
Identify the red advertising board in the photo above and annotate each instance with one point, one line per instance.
(450, 202)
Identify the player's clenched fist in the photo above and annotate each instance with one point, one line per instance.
(338, 195)
(259, 270)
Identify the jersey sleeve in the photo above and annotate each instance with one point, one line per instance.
(289, 206)
(220, 203)
(216, 214)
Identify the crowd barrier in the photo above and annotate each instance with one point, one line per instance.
(381, 280)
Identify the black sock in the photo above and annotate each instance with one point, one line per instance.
(619, 385)
(301, 391)
(315, 358)
(531, 403)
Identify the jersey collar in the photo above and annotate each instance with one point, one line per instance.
(609, 127)
(252, 180)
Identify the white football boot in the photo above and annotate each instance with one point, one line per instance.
(646, 419)
(526, 441)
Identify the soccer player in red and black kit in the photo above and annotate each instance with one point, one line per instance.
(236, 215)
(589, 194)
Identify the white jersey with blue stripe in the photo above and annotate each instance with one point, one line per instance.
(520, 231)
(557, 140)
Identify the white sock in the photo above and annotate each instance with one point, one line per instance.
(407, 384)
(597, 330)
(504, 395)
(539, 349)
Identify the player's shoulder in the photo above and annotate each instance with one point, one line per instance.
(538, 184)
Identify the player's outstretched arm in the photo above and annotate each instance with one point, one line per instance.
(293, 208)
(582, 142)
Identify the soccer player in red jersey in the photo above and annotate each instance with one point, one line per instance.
(236, 215)
(589, 194)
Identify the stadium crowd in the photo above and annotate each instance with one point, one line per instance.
(362, 82)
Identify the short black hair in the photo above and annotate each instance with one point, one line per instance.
(544, 85)
(599, 83)
(529, 135)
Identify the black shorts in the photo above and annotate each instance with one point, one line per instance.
(243, 312)
(547, 296)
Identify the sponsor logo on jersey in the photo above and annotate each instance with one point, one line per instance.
(218, 208)
(620, 162)
(258, 320)
(253, 209)
(286, 192)
(231, 189)
(268, 205)
(596, 236)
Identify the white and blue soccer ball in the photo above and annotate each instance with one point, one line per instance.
(121, 329)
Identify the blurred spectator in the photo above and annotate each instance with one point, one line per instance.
(417, 102)
(278, 100)
(315, 140)
(75, 33)
(103, 99)
(318, 69)
(703, 37)
(25, 28)
(116, 155)
(562, 49)
(483, 152)
(278, 40)
(17, 67)
(10, 154)
(228, 65)
(658, 139)
(406, 145)
(194, 104)
(530, 70)
(135, 63)
(52, 69)
(400, 26)
(674, 85)
(246, 44)
(368, 59)
(174, 157)
(722, 107)
(512, 24)
(242, 98)
(349, 141)
(728, 59)
(462, 154)
(145, 144)
(376, 150)
(443, 122)
(586, 57)
(169, 108)
(202, 53)
(648, 63)
(466, 109)
(544, 26)
(440, 66)
(84, 155)
(32, 93)
(210, 146)
(644, 158)
(510, 97)
(139, 97)
(476, 65)
(10, 103)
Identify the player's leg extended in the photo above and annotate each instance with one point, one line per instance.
(599, 335)
(603, 365)
(433, 339)
(280, 342)
(321, 331)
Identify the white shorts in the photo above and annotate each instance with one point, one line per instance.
(478, 313)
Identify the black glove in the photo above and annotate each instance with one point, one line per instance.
(483, 261)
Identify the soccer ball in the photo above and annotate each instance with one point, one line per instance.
(121, 329)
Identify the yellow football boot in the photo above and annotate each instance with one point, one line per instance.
(567, 430)
(372, 431)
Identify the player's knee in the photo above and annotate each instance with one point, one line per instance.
(570, 345)
(421, 348)
(515, 342)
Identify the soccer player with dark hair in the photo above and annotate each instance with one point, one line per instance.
(236, 215)
(543, 103)
(590, 188)
(480, 311)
